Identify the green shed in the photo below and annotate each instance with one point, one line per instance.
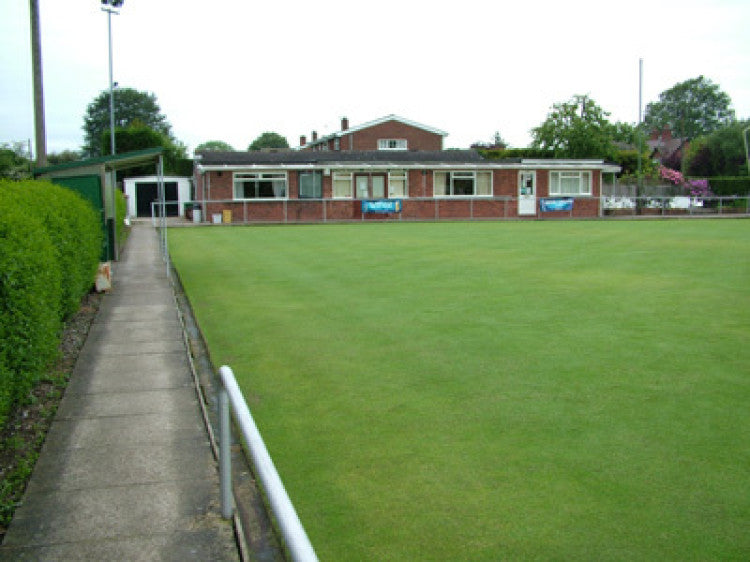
(94, 179)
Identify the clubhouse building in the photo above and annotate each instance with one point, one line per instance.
(394, 169)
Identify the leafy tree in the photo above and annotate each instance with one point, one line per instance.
(130, 106)
(576, 129)
(690, 109)
(214, 145)
(268, 140)
(625, 133)
(628, 160)
(63, 157)
(722, 153)
(138, 136)
(14, 160)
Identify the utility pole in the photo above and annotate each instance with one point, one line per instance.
(111, 7)
(40, 134)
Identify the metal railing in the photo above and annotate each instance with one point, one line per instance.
(463, 208)
(294, 535)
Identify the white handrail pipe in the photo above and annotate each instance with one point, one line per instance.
(294, 534)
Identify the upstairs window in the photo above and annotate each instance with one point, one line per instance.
(260, 185)
(392, 144)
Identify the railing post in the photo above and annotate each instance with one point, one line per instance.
(225, 454)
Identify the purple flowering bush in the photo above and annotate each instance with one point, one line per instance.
(696, 187)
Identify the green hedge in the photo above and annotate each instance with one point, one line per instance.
(497, 153)
(730, 185)
(121, 211)
(50, 239)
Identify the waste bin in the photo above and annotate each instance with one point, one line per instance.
(196, 216)
(216, 218)
(226, 215)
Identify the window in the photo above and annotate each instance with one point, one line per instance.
(397, 184)
(310, 185)
(342, 185)
(260, 185)
(570, 183)
(392, 144)
(462, 184)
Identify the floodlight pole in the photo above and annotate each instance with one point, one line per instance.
(110, 11)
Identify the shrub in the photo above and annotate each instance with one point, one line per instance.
(72, 225)
(730, 185)
(121, 211)
(30, 298)
(50, 239)
(497, 154)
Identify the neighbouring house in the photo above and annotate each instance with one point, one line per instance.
(330, 185)
(143, 195)
(387, 133)
(665, 148)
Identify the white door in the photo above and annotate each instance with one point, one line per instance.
(527, 193)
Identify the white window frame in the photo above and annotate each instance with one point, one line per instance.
(393, 144)
(272, 175)
(341, 176)
(452, 175)
(398, 176)
(556, 178)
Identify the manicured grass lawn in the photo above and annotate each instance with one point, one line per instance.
(493, 391)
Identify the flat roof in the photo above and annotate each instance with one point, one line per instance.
(111, 162)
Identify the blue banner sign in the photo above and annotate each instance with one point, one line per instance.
(549, 205)
(381, 206)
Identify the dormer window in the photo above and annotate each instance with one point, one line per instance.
(392, 144)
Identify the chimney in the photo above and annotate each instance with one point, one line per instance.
(344, 123)
(314, 136)
(302, 140)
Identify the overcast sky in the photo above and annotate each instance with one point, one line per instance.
(230, 70)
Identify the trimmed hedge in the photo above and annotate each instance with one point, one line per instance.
(50, 239)
(730, 185)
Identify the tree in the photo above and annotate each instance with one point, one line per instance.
(690, 109)
(575, 129)
(722, 153)
(14, 160)
(214, 145)
(497, 143)
(130, 106)
(625, 133)
(138, 136)
(268, 140)
(55, 158)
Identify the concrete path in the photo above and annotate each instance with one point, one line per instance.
(126, 472)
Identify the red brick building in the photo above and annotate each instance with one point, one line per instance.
(340, 185)
(387, 133)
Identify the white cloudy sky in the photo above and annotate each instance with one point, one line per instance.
(230, 70)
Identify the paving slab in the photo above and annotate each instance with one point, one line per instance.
(126, 471)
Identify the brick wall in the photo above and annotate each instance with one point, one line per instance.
(367, 139)
(420, 185)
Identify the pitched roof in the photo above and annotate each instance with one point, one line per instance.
(373, 123)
